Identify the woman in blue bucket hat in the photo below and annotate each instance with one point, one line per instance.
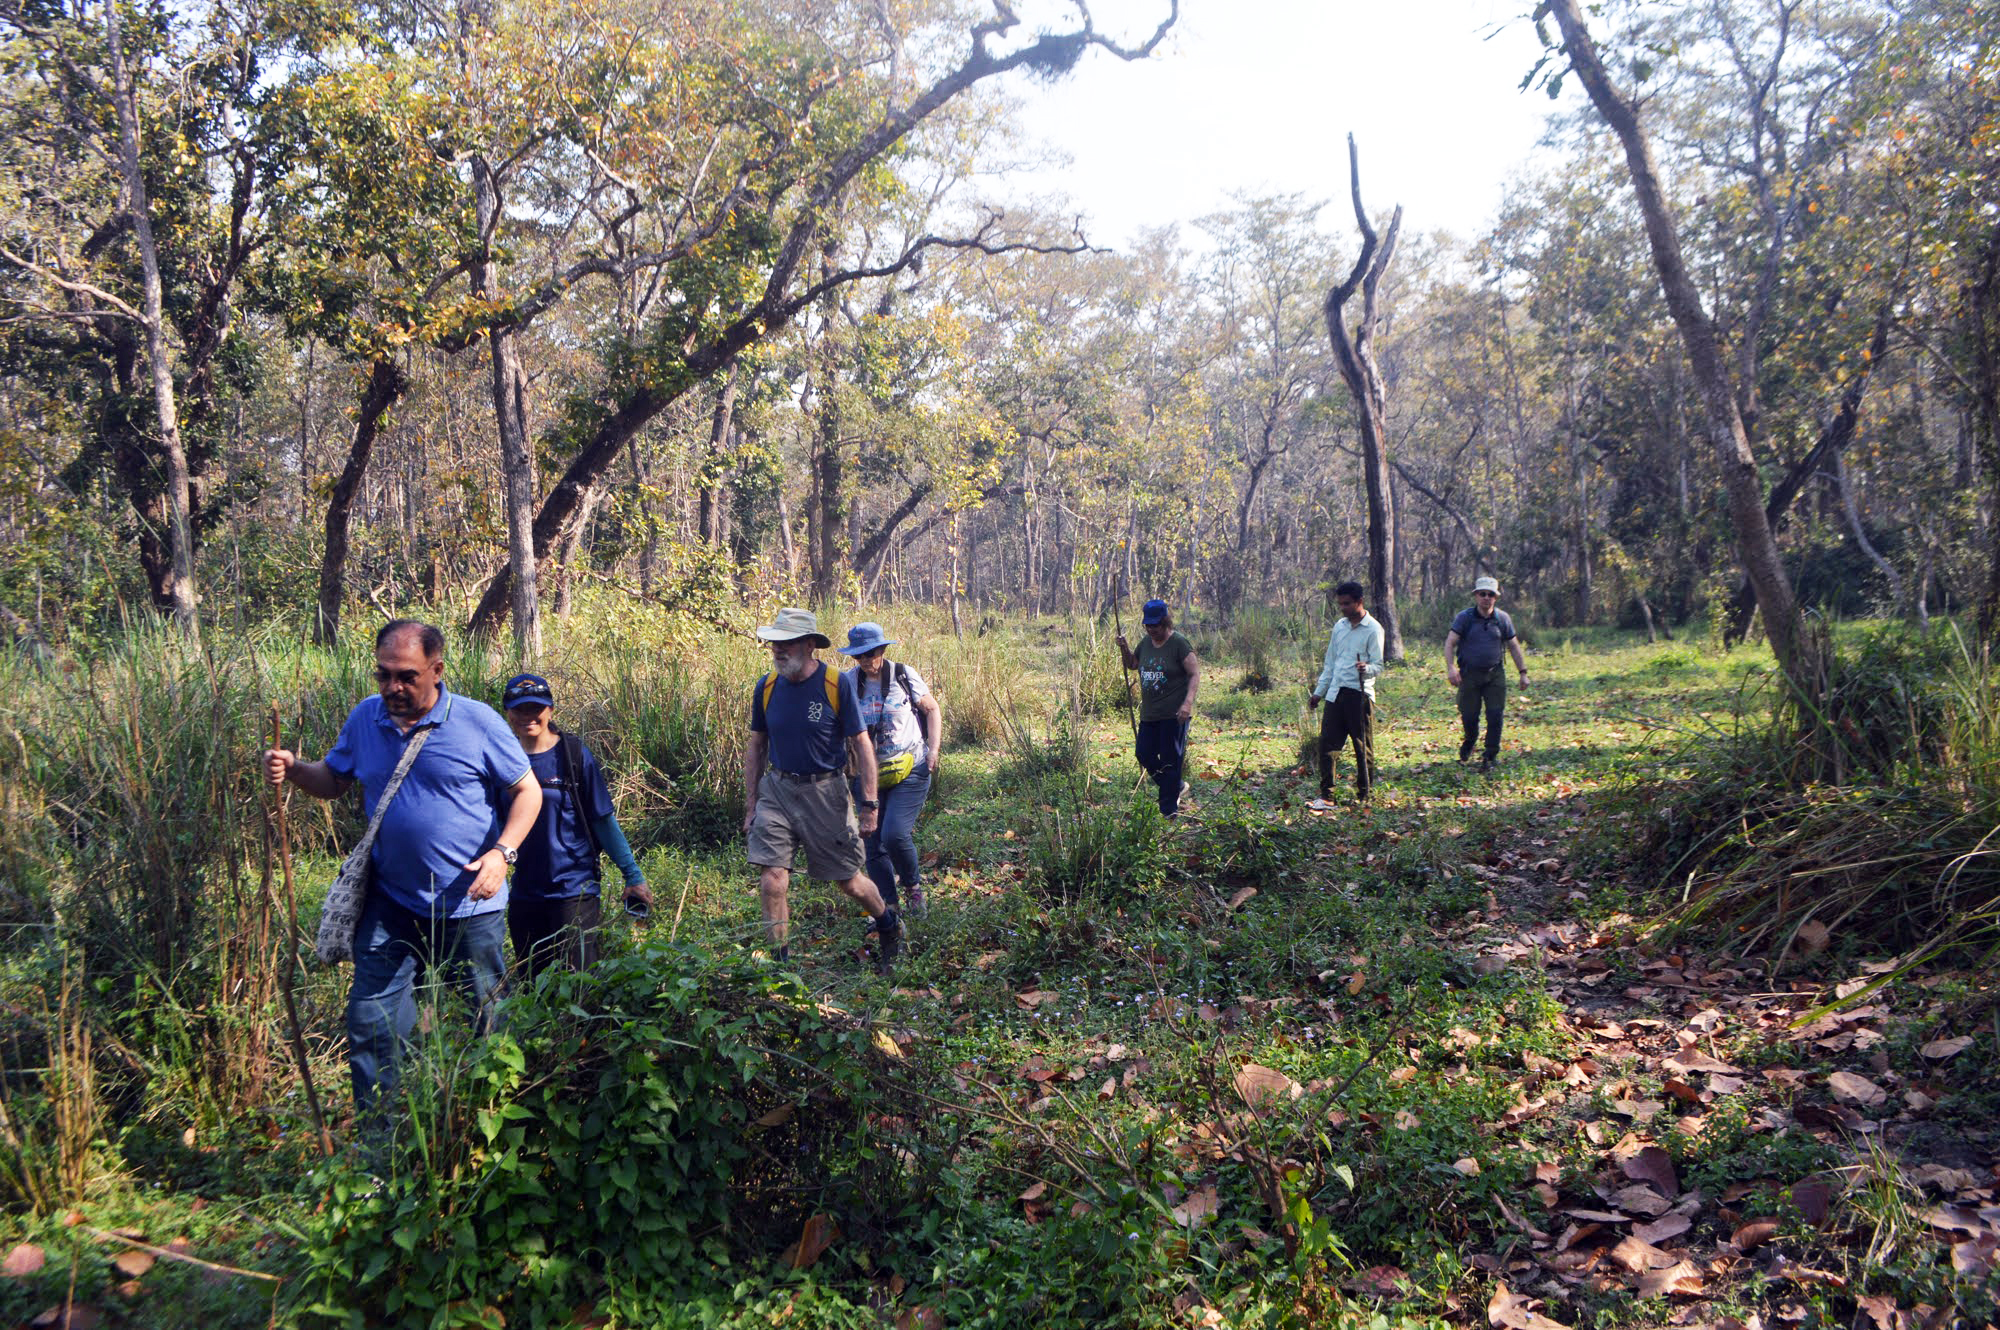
(907, 728)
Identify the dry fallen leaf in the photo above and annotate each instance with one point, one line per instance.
(1683, 1278)
(1509, 1310)
(1200, 1206)
(1753, 1235)
(817, 1235)
(1663, 1229)
(1258, 1083)
(1034, 1192)
(985, 959)
(777, 1117)
(1033, 998)
(1468, 1166)
(885, 1044)
(1640, 1199)
(1243, 894)
(1850, 1088)
(1651, 1164)
(1939, 1049)
(1634, 1256)
(1813, 937)
(25, 1259)
(1406, 1120)
(1402, 1074)
(134, 1263)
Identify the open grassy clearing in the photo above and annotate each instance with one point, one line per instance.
(1410, 1061)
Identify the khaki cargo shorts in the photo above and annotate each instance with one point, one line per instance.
(819, 816)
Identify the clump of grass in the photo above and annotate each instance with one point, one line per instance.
(1901, 849)
(1084, 852)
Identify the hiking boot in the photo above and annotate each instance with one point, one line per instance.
(889, 940)
(1465, 752)
(1485, 766)
(917, 906)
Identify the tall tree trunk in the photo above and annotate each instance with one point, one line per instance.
(180, 590)
(1983, 314)
(1757, 546)
(648, 548)
(573, 549)
(510, 414)
(1356, 356)
(826, 518)
(713, 465)
(386, 383)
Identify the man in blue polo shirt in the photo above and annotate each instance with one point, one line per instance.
(439, 897)
(805, 726)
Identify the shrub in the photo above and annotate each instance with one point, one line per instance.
(638, 1130)
(1085, 851)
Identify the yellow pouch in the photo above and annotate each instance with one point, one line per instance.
(889, 772)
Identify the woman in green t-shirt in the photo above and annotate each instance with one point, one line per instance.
(1169, 677)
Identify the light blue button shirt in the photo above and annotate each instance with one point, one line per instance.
(1347, 642)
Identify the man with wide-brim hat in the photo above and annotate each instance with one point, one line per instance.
(1475, 663)
(806, 729)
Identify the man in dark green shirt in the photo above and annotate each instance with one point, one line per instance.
(1169, 677)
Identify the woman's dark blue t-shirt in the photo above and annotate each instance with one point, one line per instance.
(556, 862)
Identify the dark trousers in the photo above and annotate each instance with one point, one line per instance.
(1161, 747)
(554, 932)
(1485, 688)
(393, 948)
(892, 846)
(1348, 714)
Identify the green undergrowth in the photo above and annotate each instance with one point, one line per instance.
(1129, 1072)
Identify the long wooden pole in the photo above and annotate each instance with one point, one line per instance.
(288, 971)
(1118, 614)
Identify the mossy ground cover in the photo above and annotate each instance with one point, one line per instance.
(1416, 1061)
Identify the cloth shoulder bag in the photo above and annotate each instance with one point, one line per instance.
(341, 911)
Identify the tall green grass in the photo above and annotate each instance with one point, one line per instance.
(1869, 814)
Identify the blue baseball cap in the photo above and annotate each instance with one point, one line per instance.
(1153, 611)
(526, 690)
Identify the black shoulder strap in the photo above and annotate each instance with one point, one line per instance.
(569, 751)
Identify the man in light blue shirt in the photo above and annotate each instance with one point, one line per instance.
(439, 898)
(1347, 684)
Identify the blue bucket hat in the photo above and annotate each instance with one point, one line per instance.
(863, 638)
(1153, 611)
(526, 690)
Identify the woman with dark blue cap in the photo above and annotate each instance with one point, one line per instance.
(553, 912)
(907, 728)
(1169, 678)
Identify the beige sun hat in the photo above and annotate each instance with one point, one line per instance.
(1485, 584)
(790, 625)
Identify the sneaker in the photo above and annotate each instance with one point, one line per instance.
(1321, 805)
(889, 937)
(917, 906)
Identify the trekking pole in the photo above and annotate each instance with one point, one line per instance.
(287, 974)
(1118, 615)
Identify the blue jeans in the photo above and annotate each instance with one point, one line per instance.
(1162, 749)
(393, 947)
(892, 846)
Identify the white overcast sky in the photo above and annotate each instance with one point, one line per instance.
(1258, 97)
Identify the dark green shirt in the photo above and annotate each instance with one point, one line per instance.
(1163, 676)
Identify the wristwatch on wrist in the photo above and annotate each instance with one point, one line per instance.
(870, 804)
(507, 852)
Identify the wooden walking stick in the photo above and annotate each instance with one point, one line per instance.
(287, 974)
(1118, 613)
